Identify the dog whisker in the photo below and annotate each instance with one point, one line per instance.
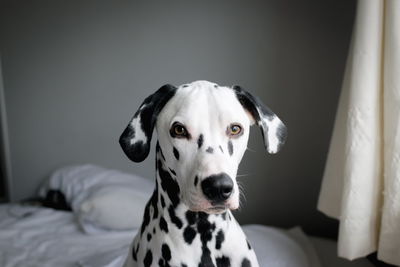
(242, 196)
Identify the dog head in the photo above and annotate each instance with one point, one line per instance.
(202, 131)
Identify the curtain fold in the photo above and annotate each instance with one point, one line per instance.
(361, 183)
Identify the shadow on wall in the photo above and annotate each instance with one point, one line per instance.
(74, 72)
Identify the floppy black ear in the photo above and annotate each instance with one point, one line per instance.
(136, 138)
(274, 132)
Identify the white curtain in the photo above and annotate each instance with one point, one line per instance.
(361, 183)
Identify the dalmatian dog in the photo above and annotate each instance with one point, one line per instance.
(202, 130)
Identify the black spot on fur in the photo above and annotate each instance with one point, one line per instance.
(176, 153)
(215, 86)
(158, 149)
(219, 239)
(210, 150)
(172, 171)
(183, 265)
(223, 215)
(166, 252)
(185, 85)
(137, 248)
(148, 259)
(220, 148)
(230, 147)
(155, 211)
(162, 201)
(189, 234)
(163, 263)
(248, 244)
(163, 225)
(196, 180)
(148, 237)
(174, 219)
(154, 201)
(223, 262)
(205, 229)
(191, 217)
(154, 230)
(169, 185)
(200, 141)
(146, 217)
(205, 260)
(246, 263)
(134, 256)
(202, 216)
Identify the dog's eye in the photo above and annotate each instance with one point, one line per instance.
(234, 130)
(178, 130)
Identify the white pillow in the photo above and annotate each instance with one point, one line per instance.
(112, 208)
(102, 199)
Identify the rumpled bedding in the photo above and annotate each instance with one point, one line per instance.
(43, 237)
(36, 236)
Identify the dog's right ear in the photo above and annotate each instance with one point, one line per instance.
(136, 138)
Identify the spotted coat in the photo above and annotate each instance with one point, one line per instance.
(182, 225)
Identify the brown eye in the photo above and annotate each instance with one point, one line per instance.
(178, 130)
(234, 129)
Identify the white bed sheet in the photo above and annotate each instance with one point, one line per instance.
(32, 237)
(36, 236)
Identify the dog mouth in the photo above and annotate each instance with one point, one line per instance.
(217, 209)
(211, 207)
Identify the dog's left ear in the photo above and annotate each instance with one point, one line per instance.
(274, 132)
(136, 138)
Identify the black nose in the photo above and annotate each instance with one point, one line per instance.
(217, 188)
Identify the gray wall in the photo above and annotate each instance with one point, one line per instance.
(75, 71)
(5, 164)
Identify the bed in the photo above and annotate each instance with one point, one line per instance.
(91, 215)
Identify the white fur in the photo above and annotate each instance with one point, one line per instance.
(139, 134)
(273, 138)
